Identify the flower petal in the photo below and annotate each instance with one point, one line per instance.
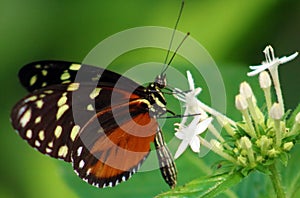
(180, 135)
(195, 144)
(190, 80)
(289, 58)
(182, 147)
(202, 126)
(263, 67)
(178, 93)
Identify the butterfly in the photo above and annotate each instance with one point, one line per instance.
(103, 123)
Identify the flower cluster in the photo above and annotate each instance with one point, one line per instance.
(261, 136)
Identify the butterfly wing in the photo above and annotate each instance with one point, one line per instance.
(41, 74)
(114, 153)
(61, 107)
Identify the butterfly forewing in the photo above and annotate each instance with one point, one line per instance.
(45, 119)
(40, 74)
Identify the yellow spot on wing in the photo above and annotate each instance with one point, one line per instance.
(48, 91)
(73, 87)
(44, 72)
(57, 131)
(31, 98)
(65, 76)
(39, 104)
(50, 144)
(25, 118)
(38, 120)
(33, 80)
(63, 151)
(74, 132)
(75, 67)
(62, 101)
(90, 107)
(42, 135)
(61, 110)
(95, 93)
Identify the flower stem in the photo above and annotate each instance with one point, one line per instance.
(276, 181)
(268, 98)
(215, 132)
(275, 77)
(216, 113)
(249, 123)
(277, 133)
(217, 150)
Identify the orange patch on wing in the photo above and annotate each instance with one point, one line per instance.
(121, 150)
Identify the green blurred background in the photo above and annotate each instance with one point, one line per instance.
(234, 32)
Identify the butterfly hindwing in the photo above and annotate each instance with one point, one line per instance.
(44, 119)
(113, 154)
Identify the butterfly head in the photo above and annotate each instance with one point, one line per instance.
(161, 80)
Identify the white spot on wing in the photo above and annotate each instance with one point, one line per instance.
(79, 150)
(37, 143)
(88, 171)
(29, 134)
(81, 164)
(21, 111)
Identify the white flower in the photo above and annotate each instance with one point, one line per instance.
(192, 104)
(189, 135)
(271, 61)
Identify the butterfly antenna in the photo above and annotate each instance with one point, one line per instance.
(180, 44)
(172, 37)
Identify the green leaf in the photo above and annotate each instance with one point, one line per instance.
(291, 119)
(205, 187)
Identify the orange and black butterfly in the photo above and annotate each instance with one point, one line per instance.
(103, 124)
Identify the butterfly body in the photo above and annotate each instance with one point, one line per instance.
(99, 120)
